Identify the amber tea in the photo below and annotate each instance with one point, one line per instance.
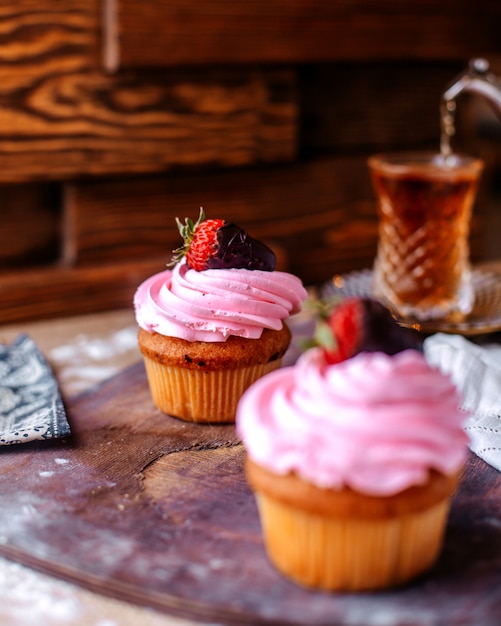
(422, 267)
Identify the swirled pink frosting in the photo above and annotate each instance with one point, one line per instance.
(214, 304)
(375, 423)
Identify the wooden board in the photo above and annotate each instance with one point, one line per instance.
(47, 292)
(156, 511)
(62, 117)
(30, 225)
(166, 32)
(320, 216)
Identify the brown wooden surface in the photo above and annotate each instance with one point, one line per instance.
(46, 292)
(62, 117)
(226, 86)
(156, 511)
(321, 215)
(373, 106)
(166, 32)
(40, 36)
(75, 124)
(29, 225)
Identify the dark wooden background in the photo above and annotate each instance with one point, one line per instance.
(116, 116)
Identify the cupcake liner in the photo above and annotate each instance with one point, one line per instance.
(350, 554)
(201, 396)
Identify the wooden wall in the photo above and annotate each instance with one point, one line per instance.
(116, 116)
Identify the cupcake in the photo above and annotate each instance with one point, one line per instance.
(215, 322)
(353, 463)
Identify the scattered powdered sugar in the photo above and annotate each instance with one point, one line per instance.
(88, 360)
(32, 599)
(374, 613)
(97, 348)
(29, 598)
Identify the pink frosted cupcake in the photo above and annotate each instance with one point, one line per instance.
(353, 465)
(215, 323)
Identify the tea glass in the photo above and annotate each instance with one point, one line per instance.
(422, 268)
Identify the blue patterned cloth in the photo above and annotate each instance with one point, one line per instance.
(31, 407)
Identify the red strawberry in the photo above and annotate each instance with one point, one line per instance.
(364, 325)
(217, 244)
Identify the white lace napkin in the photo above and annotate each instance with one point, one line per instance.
(476, 370)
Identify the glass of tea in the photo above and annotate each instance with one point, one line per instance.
(422, 267)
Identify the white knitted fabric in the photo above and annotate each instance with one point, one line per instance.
(476, 370)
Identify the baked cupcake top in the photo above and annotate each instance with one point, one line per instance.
(223, 283)
(374, 422)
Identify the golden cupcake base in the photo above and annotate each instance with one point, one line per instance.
(351, 554)
(201, 381)
(201, 396)
(346, 541)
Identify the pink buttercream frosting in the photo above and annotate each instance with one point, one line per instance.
(375, 423)
(213, 304)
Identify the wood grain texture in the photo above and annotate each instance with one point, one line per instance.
(30, 231)
(373, 105)
(169, 32)
(40, 37)
(60, 121)
(89, 124)
(320, 215)
(55, 291)
(156, 511)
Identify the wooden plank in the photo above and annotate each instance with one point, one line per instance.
(70, 124)
(30, 225)
(62, 117)
(173, 32)
(320, 215)
(378, 106)
(43, 38)
(48, 292)
(156, 511)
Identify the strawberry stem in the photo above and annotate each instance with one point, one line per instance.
(187, 232)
